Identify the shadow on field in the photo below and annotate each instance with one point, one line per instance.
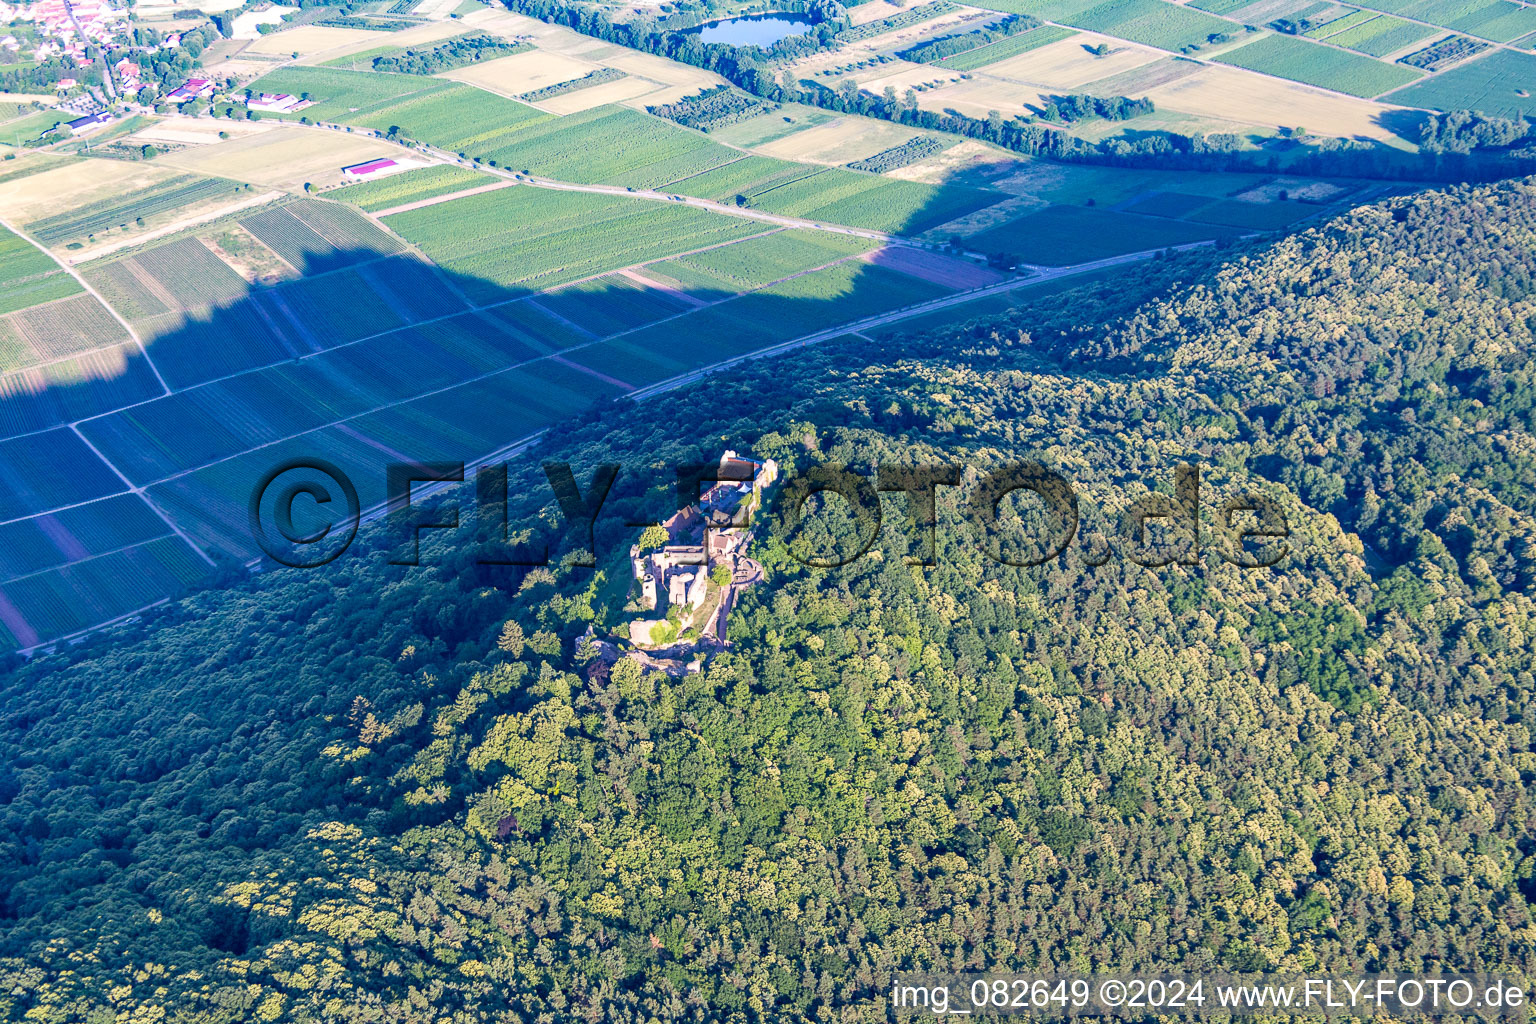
(117, 494)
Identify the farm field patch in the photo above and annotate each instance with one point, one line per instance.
(522, 72)
(60, 601)
(1381, 36)
(611, 146)
(27, 277)
(1013, 46)
(867, 200)
(933, 268)
(1313, 64)
(33, 482)
(285, 158)
(1234, 95)
(1490, 83)
(76, 183)
(1060, 235)
(459, 118)
(66, 323)
(839, 141)
(1152, 22)
(537, 238)
(32, 545)
(410, 186)
(1066, 64)
(612, 304)
(1269, 216)
(770, 127)
(73, 388)
(337, 93)
(138, 207)
(619, 90)
(415, 36)
(755, 262)
(306, 40)
(31, 127)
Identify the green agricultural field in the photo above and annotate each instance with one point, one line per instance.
(1152, 22)
(340, 95)
(459, 118)
(361, 61)
(766, 128)
(60, 601)
(69, 324)
(35, 483)
(20, 259)
(26, 547)
(16, 295)
(1337, 25)
(1219, 6)
(1062, 235)
(81, 222)
(1254, 216)
(613, 304)
(1167, 204)
(1492, 84)
(1301, 60)
(30, 127)
(870, 201)
(1498, 20)
(980, 57)
(537, 238)
(410, 187)
(1381, 36)
(790, 309)
(1501, 22)
(613, 146)
(750, 177)
(756, 262)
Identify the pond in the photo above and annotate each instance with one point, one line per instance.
(753, 29)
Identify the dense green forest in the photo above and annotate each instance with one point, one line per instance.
(375, 793)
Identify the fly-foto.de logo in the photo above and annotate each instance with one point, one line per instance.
(1248, 530)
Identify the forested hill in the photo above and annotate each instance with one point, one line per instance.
(358, 794)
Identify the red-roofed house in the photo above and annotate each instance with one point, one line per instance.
(372, 169)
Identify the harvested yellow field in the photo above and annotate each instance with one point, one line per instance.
(310, 39)
(966, 156)
(839, 141)
(248, 25)
(175, 221)
(979, 96)
(505, 23)
(657, 69)
(522, 72)
(901, 38)
(626, 88)
(191, 131)
(239, 69)
(47, 99)
(408, 37)
(902, 75)
(874, 10)
(1067, 64)
(75, 184)
(283, 158)
(1237, 95)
